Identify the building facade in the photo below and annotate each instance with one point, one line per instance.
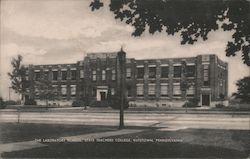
(161, 81)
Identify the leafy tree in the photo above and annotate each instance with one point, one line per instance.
(46, 90)
(193, 19)
(17, 76)
(243, 91)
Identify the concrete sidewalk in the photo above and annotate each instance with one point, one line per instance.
(18, 146)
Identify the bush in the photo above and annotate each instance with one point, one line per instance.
(2, 103)
(219, 106)
(11, 102)
(77, 103)
(30, 102)
(115, 103)
(191, 103)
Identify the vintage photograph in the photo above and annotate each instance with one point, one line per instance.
(124, 78)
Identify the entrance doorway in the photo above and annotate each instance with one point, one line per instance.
(103, 96)
(205, 100)
(101, 93)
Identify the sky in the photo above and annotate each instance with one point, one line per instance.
(63, 31)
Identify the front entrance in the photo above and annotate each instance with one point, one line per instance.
(103, 96)
(101, 93)
(205, 100)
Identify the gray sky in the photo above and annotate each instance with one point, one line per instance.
(62, 31)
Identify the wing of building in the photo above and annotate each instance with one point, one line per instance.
(155, 81)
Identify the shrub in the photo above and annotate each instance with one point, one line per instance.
(11, 102)
(191, 103)
(219, 106)
(30, 102)
(115, 104)
(77, 103)
(2, 103)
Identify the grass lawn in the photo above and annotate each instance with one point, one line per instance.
(195, 143)
(14, 132)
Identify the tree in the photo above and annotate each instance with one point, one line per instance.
(194, 19)
(17, 76)
(46, 90)
(243, 91)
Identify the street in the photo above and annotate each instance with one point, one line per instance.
(164, 121)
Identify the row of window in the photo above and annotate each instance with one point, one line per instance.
(72, 90)
(103, 75)
(55, 75)
(164, 90)
(189, 71)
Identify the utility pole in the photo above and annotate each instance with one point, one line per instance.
(184, 84)
(121, 83)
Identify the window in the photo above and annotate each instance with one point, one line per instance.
(140, 72)
(139, 89)
(176, 89)
(55, 75)
(94, 75)
(37, 76)
(177, 71)
(103, 75)
(128, 72)
(113, 75)
(152, 72)
(55, 90)
(36, 92)
(64, 90)
(64, 75)
(164, 71)
(190, 91)
(112, 91)
(151, 89)
(190, 71)
(73, 90)
(164, 89)
(129, 90)
(205, 58)
(205, 75)
(81, 73)
(73, 74)
(46, 75)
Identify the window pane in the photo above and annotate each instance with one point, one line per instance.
(64, 75)
(64, 90)
(128, 72)
(73, 74)
(152, 72)
(37, 75)
(129, 90)
(176, 89)
(81, 73)
(164, 89)
(139, 90)
(190, 71)
(205, 75)
(55, 75)
(190, 90)
(113, 75)
(73, 90)
(103, 75)
(94, 75)
(140, 72)
(177, 71)
(151, 89)
(164, 72)
(46, 75)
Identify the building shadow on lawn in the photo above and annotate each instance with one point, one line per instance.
(117, 150)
